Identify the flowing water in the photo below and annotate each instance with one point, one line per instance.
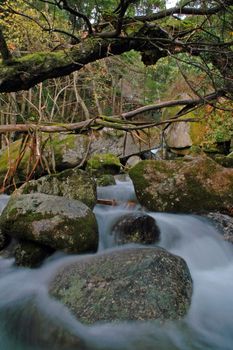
(208, 324)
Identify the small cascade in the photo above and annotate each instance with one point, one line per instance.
(208, 324)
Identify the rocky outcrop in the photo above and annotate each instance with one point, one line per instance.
(187, 185)
(57, 222)
(135, 228)
(71, 183)
(130, 284)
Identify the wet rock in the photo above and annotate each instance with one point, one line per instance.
(224, 223)
(57, 222)
(194, 184)
(130, 284)
(136, 228)
(30, 254)
(105, 163)
(71, 183)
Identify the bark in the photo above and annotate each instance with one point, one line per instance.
(25, 72)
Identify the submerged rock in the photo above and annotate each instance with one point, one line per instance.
(57, 222)
(136, 228)
(33, 324)
(71, 183)
(195, 184)
(130, 284)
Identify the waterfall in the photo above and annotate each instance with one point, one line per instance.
(208, 324)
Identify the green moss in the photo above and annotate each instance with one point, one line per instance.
(105, 180)
(104, 163)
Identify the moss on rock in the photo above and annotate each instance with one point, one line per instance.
(106, 163)
(70, 183)
(57, 222)
(130, 284)
(186, 185)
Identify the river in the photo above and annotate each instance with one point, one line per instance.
(208, 324)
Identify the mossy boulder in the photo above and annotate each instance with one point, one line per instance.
(196, 184)
(129, 284)
(135, 228)
(104, 163)
(58, 222)
(30, 254)
(71, 183)
(105, 180)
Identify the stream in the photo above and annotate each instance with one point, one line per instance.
(208, 324)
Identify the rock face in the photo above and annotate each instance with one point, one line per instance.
(71, 183)
(188, 185)
(57, 222)
(136, 228)
(130, 284)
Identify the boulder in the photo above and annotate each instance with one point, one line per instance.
(194, 184)
(136, 228)
(104, 163)
(129, 284)
(71, 183)
(124, 144)
(30, 254)
(57, 222)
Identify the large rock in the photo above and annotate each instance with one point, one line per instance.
(57, 222)
(188, 185)
(136, 228)
(130, 284)
(71, 183)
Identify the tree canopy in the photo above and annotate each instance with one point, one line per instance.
(196, 35)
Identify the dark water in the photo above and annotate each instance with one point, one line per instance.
(30, 319)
